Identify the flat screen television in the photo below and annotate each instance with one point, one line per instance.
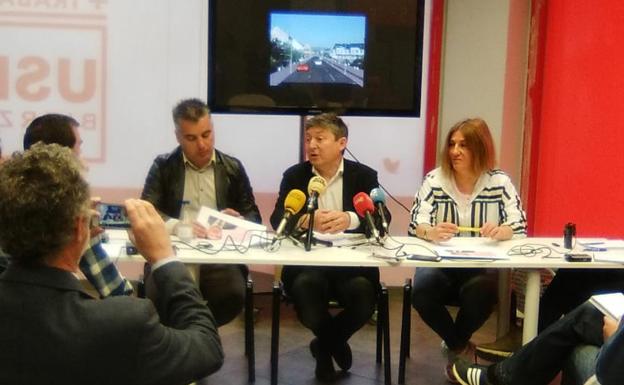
(355, 57)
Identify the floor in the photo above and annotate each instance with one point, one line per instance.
(296, 365)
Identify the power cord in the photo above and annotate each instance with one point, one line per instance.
(380, 185)
(532, 250)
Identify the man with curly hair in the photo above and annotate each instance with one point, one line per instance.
(52, 330)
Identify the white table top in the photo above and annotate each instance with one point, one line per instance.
(289, 254)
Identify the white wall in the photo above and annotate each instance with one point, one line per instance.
(478, 79)
(149, 54)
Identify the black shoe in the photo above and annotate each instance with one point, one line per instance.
(342, 355)
(324, 370)
(470, 374)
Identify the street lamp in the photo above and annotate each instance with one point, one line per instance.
(290, 43)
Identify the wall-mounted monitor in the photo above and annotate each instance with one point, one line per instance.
(359, 57)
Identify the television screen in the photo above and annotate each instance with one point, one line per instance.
(354, 57)
(313, 48)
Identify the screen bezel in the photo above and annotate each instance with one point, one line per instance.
(220, 107)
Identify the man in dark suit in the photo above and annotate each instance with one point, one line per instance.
(198, 174)
(52, 331)
(311, 288)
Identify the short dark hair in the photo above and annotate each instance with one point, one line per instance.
(190, 110)
(329, 121)
(42, 192)
(51, 128)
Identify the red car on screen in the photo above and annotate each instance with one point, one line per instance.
(304, 67)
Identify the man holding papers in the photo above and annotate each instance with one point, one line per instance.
(562, 346)
(466, 196)
(197, 173)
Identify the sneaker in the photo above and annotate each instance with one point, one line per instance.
(503, 347)
(448, 373)
(470, 374)
(466, 354)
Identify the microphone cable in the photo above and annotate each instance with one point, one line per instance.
(229, 244)
(380, 185)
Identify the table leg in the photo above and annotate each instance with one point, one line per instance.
(531, 305)
(504, 300)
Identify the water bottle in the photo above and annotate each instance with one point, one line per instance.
(184, 229)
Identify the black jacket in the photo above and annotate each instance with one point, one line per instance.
(356, 178)
(164, 185)
(52, 332)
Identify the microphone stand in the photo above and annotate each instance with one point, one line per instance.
(309, 234)
(310, 209)
(309, 237)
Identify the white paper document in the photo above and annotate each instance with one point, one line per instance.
(467, 248)
(226, 227)
(611, 304)
(342, 239)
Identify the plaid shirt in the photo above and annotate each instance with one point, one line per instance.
(102, 273)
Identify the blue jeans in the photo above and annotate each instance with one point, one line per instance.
(571, 287)
(581, 365)
(473, 290)
(539, 361)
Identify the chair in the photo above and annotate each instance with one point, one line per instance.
(250, 349)
(383, 332)
(406, 329)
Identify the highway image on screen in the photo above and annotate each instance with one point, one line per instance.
(317, 48)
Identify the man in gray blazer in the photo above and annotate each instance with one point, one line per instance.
(53, 332)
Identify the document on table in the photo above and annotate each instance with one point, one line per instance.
(342, 239)
(611, 304)
(610, 250)
(612, 244)
(466, 248)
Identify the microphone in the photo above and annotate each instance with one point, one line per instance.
(364, 207)
(379, 199)
(316, 186)
(292, 205)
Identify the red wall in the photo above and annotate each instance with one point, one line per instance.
(579, 174)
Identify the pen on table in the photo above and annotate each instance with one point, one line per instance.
(595, 249)
(462, 229)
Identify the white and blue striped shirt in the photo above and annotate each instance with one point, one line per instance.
(494, 199)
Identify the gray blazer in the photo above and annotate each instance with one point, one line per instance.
(52, 332)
